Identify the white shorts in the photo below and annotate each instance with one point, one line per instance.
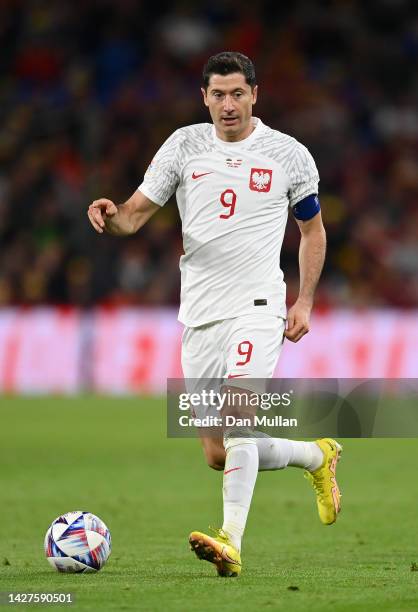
(232, 350)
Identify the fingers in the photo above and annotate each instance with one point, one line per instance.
(290, 321)
(296, 331)
(111, 209)
(98, 211)
(95, 216)
(297, 324)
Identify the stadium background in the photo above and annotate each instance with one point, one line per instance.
(88, 92)
(87, 97)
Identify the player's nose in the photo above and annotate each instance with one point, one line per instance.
(228, 105)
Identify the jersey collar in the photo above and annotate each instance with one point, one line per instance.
(240, 143)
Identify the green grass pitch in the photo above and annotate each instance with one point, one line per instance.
(111, 456)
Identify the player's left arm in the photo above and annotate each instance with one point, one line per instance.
(311, 260)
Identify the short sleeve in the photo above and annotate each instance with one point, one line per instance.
(304, 177)
(163, 174)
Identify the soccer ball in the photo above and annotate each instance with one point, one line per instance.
(77, 542)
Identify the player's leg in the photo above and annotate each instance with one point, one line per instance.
(243, 346)
(251, 343)
(318, 459)
(213, 449)
(279, 453)
(203, 368)
(273, 453)
(254, 351)
(223, 548)
(241, 468)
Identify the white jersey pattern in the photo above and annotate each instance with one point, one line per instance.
(233, 200)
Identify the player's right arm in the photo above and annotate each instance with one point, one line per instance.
(160, 182)
(124, 219)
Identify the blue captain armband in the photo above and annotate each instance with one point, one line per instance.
(307, 208)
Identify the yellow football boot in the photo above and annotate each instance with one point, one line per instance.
(217, 550)
(323, 480)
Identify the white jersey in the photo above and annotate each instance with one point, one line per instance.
(233, 199)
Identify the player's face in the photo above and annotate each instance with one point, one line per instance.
(230, 101)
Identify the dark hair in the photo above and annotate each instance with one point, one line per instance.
(229, 62)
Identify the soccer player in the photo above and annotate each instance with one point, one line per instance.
(235, 181)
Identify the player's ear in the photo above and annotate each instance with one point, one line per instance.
(255, 93)
(205, 96)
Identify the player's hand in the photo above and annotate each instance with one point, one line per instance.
(298, 321)
(99, 211)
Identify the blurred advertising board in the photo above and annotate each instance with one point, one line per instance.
(135, 350)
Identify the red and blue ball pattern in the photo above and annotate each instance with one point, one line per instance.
(78, 542)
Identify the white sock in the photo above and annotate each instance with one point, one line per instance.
(278, 453)
(240, 475)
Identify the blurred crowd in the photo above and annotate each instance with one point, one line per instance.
(90, 90)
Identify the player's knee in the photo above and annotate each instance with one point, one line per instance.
(216, 465)
(215, 460)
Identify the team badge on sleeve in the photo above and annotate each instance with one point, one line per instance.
(260, 179)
